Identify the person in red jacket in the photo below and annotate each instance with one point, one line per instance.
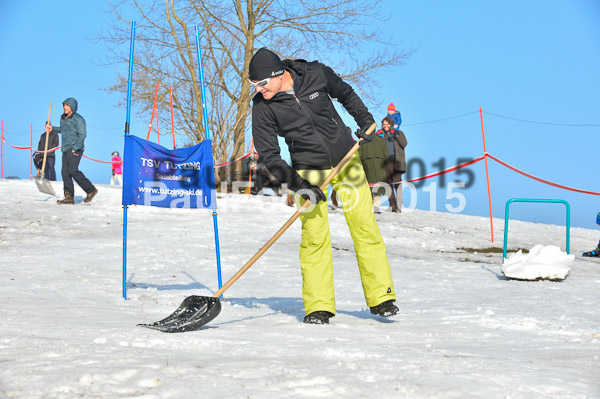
(117, 170)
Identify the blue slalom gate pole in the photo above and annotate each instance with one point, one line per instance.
(127, 120)
(207, 133)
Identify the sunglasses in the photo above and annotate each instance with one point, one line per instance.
(260, 83)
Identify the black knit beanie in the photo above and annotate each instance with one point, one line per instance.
(265, 64)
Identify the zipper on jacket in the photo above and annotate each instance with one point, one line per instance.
(315, 130)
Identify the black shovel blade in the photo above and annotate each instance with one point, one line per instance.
(44, 185)
(194, 312)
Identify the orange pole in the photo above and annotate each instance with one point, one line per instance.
(157, 131)
(172, 120)
(487, 175)
(152, 117)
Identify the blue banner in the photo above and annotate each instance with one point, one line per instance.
(156, 176)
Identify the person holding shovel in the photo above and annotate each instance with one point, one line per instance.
(72, 128)
(293, 100)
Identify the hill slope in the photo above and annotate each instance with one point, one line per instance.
(464, 330)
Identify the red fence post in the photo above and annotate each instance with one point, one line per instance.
(487, 175)
(152, 117)
(172, 120)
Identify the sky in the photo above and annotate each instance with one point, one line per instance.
(463, 330)
(531, 67)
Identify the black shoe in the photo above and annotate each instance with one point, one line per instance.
(68, 200)
(318, 317)
(90, 196)
(595, 252)
(385, 309)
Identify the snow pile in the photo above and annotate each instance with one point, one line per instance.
(541, 263)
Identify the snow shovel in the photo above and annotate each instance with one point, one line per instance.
(196, 311)
(42, 184)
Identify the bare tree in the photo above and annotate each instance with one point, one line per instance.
(344, 33)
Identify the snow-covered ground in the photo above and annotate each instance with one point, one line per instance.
(541, 262)
(464, 330)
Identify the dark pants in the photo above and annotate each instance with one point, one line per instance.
(258, 175)
(70, 171)
(50, 173)
(389, 179)
(392, 176)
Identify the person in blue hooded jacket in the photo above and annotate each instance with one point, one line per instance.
(73, 131)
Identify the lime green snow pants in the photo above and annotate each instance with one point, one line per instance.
(315, 250)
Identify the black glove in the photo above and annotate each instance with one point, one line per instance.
(310, 192)
(361, 134)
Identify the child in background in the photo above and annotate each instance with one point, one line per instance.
(395, 115)
(117, 171)
(594, 252)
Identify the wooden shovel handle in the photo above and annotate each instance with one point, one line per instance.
(292, 219)
(46, 145)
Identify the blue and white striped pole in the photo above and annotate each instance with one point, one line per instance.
(127, 120)
(207, 133)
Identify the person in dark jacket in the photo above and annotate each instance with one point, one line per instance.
(49, 171)
(374, 158)
(72, 128)
(396, 164)
(257, 170)
(293, 100)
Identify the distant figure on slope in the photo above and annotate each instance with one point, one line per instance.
(395, 115)
(72, 128)
(53, 141)
(257, 170)
(293, 100)
(117, 169)
(374, 158)
(594, 252)
(396, 163)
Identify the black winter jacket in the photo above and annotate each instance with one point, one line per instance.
(314, 132)
(52, 143)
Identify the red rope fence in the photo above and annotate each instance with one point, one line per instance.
(539, 179)
(442, 172)
(235, 160)
(429, 176)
